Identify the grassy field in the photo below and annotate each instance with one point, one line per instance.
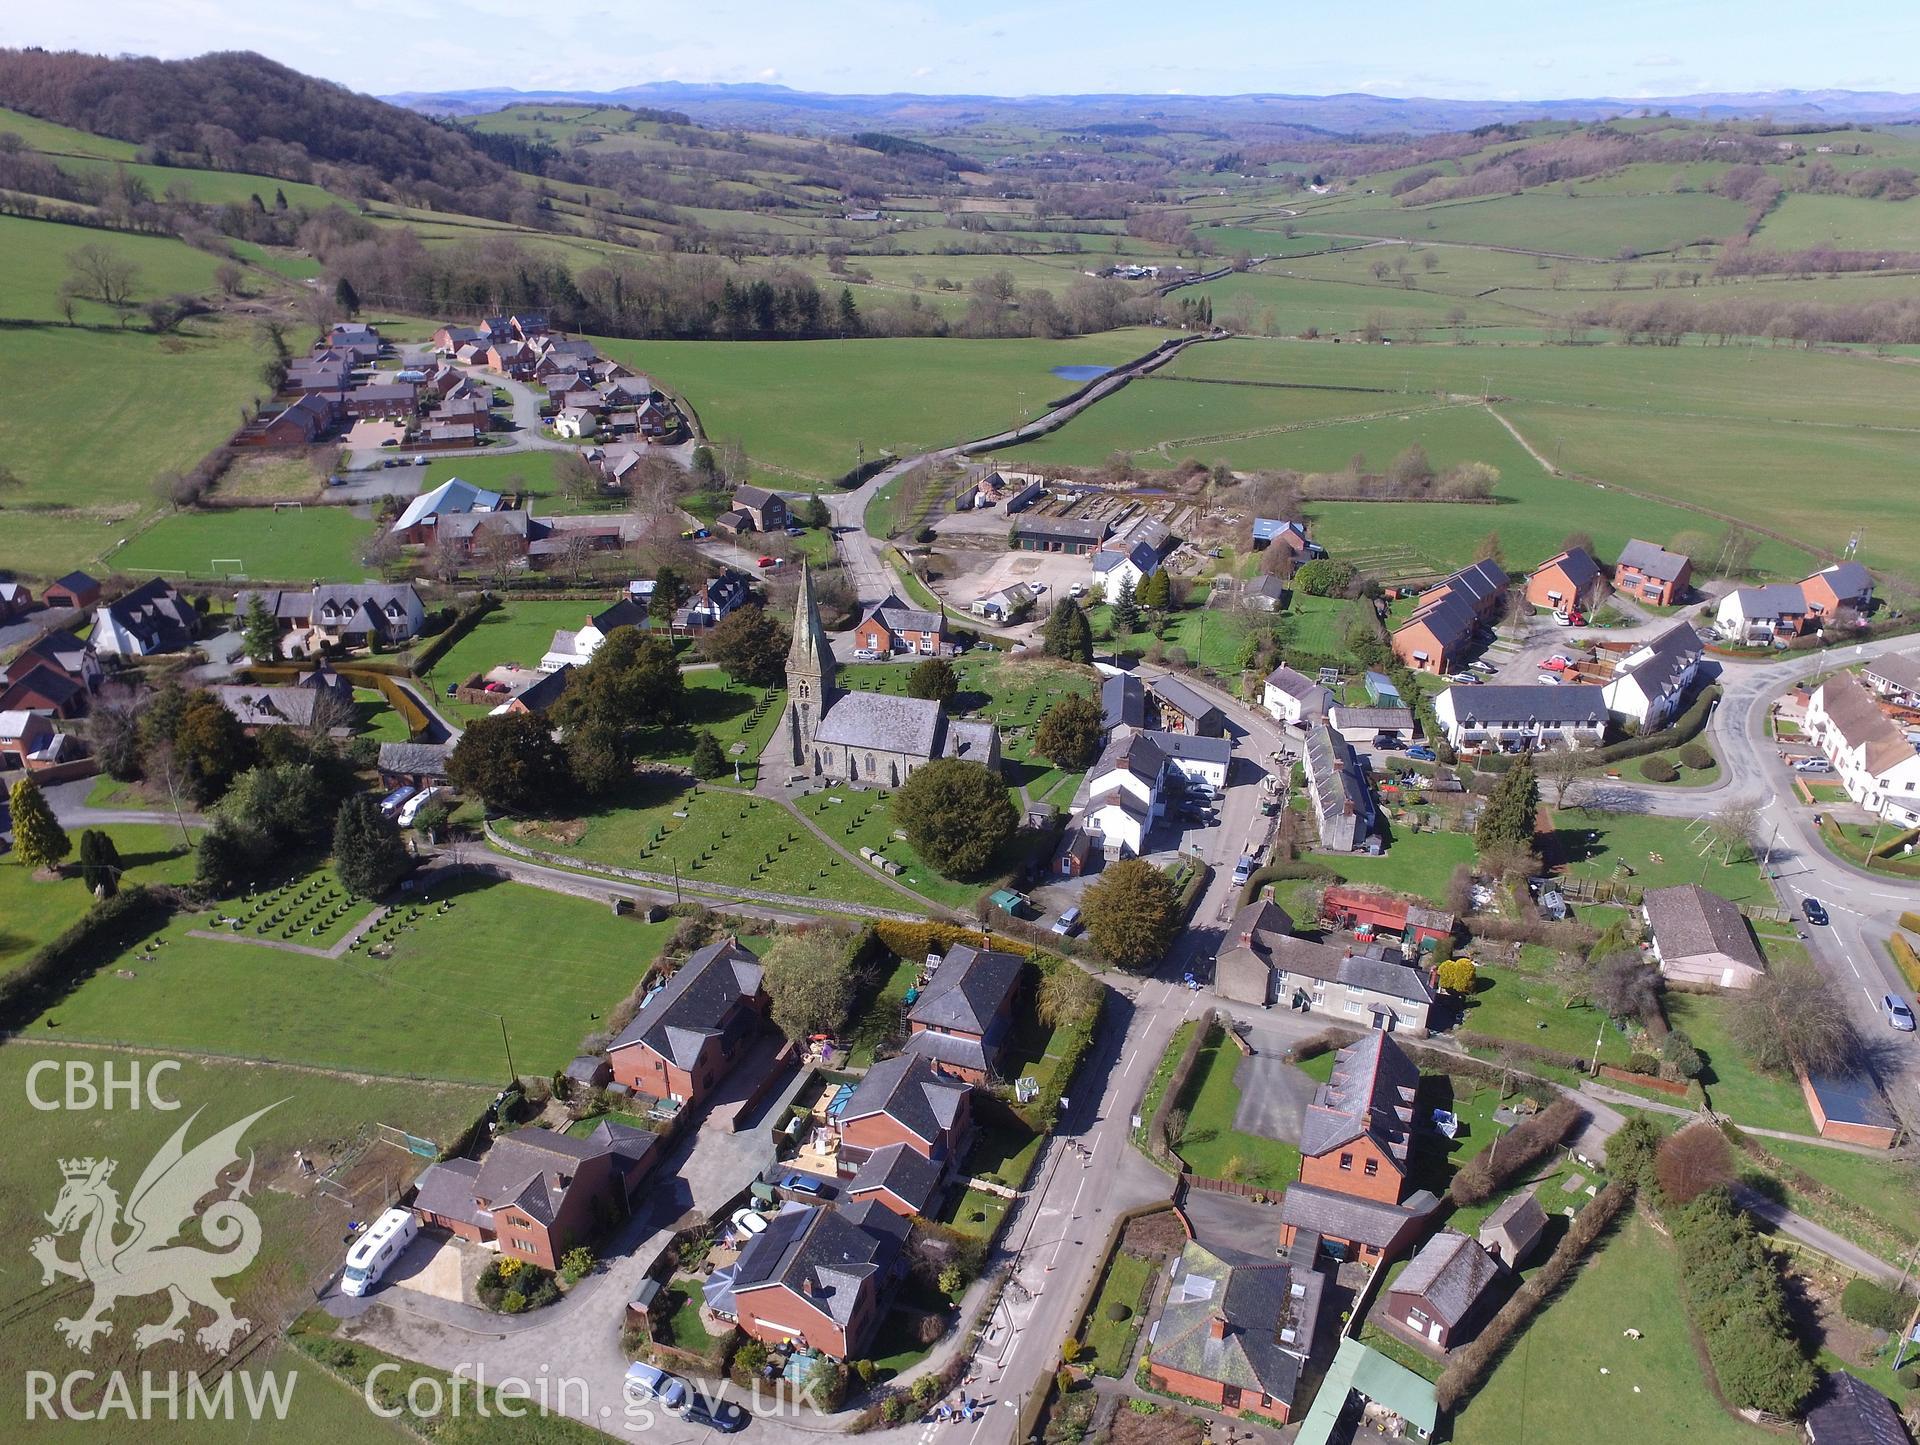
(1522, 1003)
(87, 480)
(1108, 1343)
(1735, 1087)
(32, 913)
(1660, 852)
(268, 545)
(1417, 863)
(865, 820)
(721, 840)
(1579, 225)
(463, 969)
(801, 408)
(328, 1119)
(1210, 1143)
(1652, 1392)
(518, 632)
(1886, 1189)
(37, 253)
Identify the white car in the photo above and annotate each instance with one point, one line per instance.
(1812, 765)
(1039, 589)
(866, 654)
(1547, 679)
(750, 1222)
(650, 1382)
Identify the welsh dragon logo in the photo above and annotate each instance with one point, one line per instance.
(140, 1252)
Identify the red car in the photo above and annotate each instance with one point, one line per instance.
(766, 561)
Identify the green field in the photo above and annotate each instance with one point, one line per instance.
(37, 252)
(259, 543)
(1210, 1144)
(550, 965)
(1522, 1003)
(1416, 863)
(44, 135)
(1652, 1393)
(1660, 852)
(1734, 1087)
(801, 408)
(32, 912)
(1598, 225)
(1843, 222)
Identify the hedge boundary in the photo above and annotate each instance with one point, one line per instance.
(1157, 1144)
(66, 960)
(464, 621)
(1904, 957)
(1278, 871)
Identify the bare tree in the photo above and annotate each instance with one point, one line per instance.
(1626, 986)
(576, 549)
(1693, 1161)
(497, 551)
(1560, 769)
(1791, 1019)
(330, 710)
(102, 274)
(230, 278)
(1733, 827)
(443, 556)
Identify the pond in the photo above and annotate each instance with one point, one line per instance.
(1081, 373)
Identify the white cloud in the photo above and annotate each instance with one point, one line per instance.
(1657, 62)
(769, 74)
(921, 72)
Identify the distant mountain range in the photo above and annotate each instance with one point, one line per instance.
(779, 107)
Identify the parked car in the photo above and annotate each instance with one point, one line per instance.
(453, 689)
(749, 1222)
(1079, 589)
(1243, 869)
(1561, 619)
(1483, 667)
(722, 1415)
(1039, 589)
(650, 1382)
(1464, 678)
(866, 654)
(1420, 753)
(1814, 910)
(1559, 662)
(419, 461)
(1068, 923)
(1386, 742)
(1899, 1016)
(766, 562)
(1547, 679)
(796, 531)
(1812, 765)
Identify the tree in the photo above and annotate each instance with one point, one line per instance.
(750, 645)
(99, 863)
(1133, 913)
(230, 278)
(669, 591)
(578, 478)
(103, 274)
(1631, 1149)
(708, 760)
(1790, 1018)
(510, 762)
(1693, 1161)
(1562, 767)
(260, 631)
(813, 513)
(38, 839)
(1069, 996)
(1410, 469)
(1156, 590)
(957, 815)
(1323, 577)
(279, 806)
(933, 680)
(1126, 610)
(1457, 975)
(1067, 634)
(1677, 1049)
(1625, 986)
(369, 854)
(1508, 819)
(1069, 733)
(225, 857)
(346, 298)
(632, 682)
(114, 730)
(1733, 828)
(210, 747)
(810, 984)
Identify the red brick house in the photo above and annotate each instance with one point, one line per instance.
(1652, 574)
(299, 423)
(1236, 1336)
(15, 598)
(906, 1100)
(40, 688)
(902, 1179)
(766, 507)
(512, 358)
(694, 1028)
(1843, 587)
(819, 1278)
(893, 626)
(963, 1016)
(22, 734)
(1571, 580)
(537, 1194)
(399, 398)
(1445, 1293)
(1439, 634)
(76, 590)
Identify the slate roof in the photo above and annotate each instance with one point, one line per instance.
(44, 679)
(1293, 684)
(688, 1009)
(1853, 713)
(896, 616)
(1847, 579)
(76, 582)
(1177, 694)
(451, 496)
(1848, 1411)
(1135, 753)
(1658, 665)
(1495, 705)
(1852, 1098)
(909, 1089)
(1343, 807)
(427, 760)
(970, 739)
(1370, 1092)
(1688, 920)
(969, 990)
(1079, 529)
(58, 649)
(1451, 1272)
(757, 497)
(1898, 669)
(1243, 968)
(1517, 1223)
(1269, 1329)
(526, 1168)
(1123, 702)
(908, 1175)
(1772, 600)
(1269, 587)
(1195, 748)
(1578, 565)
(154, 614)
(830, 1256)
(540, 695)
(1380, 719)
(1347, 1216)
(256, 706)
(446, 1189)
(905, 725)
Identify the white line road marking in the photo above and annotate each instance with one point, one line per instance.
(1854, 966)
(1869, 993)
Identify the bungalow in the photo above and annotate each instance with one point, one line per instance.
(766, 508)
(536, 697)
(76, 590)
(1006, 604)
(1871, 753)
(1569, 581)
(152, 618)
(1895, 676)
(1441, 630)
(260, 707)
(1650, 684)
(1699, 937)
(817, 1278)
(1115, 573)
(1077, 536)
(892, 626)
(452, 498)
(1236, 1336)
(1513, 1230)
(414, 765)
(537, 1193)
(1446, 1292)
(1652, 574)
(1291, 697)
(1522, 717)
(963, 1016)
(1181, 708)
(1337, 787)
(906, 1100)
(570, 649)
(443, 433)
(1365, 724)
(694, 1027)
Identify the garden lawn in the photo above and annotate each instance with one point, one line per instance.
(518, 632)
(976, 1212)
(553, 966)
(1210, 1144)
(1735, 1087)
(1660, 852)
(1522, 1003)
(857, 820)
(685, 1331)
(1004, 1152)
(1886, 1189)
(33, 913)
(1417, 863)
(724, 841)
(881, 1019)
(258, 543)
(1631, 1282)
(1211, 637)
(377, 719)
(1108, 1344)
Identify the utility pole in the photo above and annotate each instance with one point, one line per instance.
(508, 1046)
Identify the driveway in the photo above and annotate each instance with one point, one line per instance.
(439, 1266)
(1229, 1224)
(1273, 1097)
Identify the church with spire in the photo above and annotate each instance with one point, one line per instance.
(857, 736)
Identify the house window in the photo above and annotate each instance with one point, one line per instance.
(1372, 1168)
(1418, 1318)
(1346, 1162)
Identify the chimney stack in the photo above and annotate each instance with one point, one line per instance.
(1217, 1327)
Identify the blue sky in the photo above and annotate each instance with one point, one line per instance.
(1479, 49)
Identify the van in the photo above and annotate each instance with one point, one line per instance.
(410, 809)
(650, 1382)
(390, 804)
(378, 1248)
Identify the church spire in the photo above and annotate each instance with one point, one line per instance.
(809, 671)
